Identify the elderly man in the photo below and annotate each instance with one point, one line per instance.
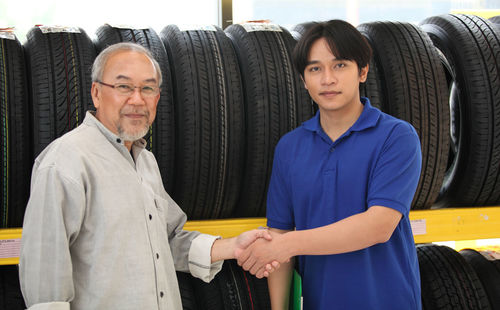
(100, 232)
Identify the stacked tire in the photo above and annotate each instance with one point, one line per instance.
(275, 103)
(240, 94)
(208, 98)
(487, 268)
(470, 48)
(10, 290)
(495, 20)
(410, 84)
(232, 288)
(452, 280)
(228, 97)
(15, 155)
(15, 136)
(59, 64)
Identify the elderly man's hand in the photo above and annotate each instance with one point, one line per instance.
(245, 239)
(262, 254)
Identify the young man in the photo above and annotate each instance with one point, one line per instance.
(341, 189)
(100, 232)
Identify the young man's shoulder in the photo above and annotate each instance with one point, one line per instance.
(292, 141)
(294, 135)
(302, 132)
(394, 124)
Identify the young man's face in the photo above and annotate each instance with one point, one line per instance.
(333, 84)
(128, 116)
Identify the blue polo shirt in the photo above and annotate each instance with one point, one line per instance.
(316, 182)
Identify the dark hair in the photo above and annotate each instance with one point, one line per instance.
(345, 42)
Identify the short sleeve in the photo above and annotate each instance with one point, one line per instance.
(279, 205)
(395, 175)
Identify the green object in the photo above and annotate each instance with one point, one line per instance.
(296, 292)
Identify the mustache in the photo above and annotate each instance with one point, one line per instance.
(134, 110)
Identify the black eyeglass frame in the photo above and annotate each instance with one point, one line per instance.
(132, 88)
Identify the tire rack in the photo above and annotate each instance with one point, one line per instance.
(451, 224)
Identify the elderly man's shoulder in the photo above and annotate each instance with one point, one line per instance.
(69, 147)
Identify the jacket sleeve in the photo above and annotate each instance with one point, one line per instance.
(52, 221)
(191, 250)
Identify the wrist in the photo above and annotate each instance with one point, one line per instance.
(289, 243)
(222, 249)
(232, 246)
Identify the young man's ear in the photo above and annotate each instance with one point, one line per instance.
(303, 81)
(363, 73)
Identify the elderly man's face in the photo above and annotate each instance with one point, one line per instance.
(126, 115)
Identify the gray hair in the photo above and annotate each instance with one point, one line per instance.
(103, 57)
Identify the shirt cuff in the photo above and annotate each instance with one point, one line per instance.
(58, 305)
(200, 258)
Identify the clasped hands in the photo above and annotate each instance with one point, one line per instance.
(260, 252)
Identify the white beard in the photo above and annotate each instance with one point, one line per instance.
(132, 136)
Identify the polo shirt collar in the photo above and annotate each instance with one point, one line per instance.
(368, 118)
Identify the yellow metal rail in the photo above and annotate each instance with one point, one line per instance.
(485, 13)
(455, 224)
(10, 240)
(428, 226)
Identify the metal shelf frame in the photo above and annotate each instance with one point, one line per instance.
(428, 226)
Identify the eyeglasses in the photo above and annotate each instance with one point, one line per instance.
(128, 89)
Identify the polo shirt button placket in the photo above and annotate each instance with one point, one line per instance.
(332, 149)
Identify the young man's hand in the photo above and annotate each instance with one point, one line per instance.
(262, 255)
(246, 239)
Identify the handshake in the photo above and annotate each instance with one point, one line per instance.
(261, 251)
